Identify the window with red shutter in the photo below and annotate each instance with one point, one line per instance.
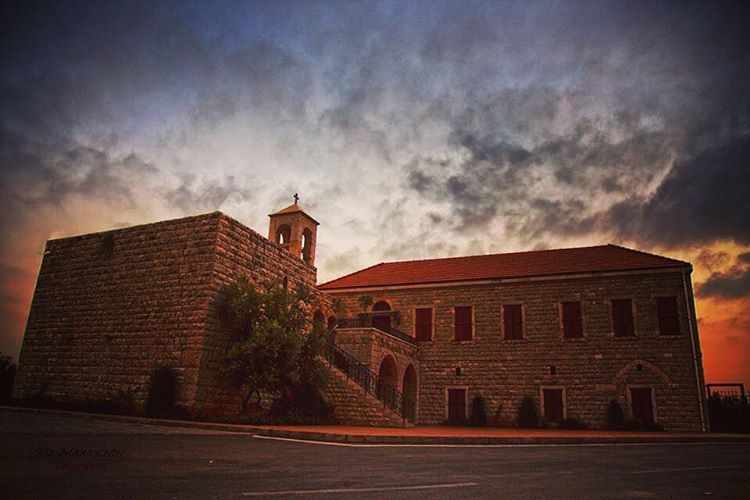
(462, 323)
(669, 321)
(423, 323)
(572, 320)
(513, 321)
(622, 317)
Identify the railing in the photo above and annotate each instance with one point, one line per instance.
(369, 381)
(365, 321)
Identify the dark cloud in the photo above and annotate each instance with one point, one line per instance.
(734, 284)
(194, 197)
(704, 198)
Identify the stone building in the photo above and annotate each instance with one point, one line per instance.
(572, 328)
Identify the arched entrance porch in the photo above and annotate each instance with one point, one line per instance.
(387, 380)
(409, 392)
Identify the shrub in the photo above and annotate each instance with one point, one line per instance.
(7, 377)
(162, 392)
(572, 423)
(528, 418)
(615, 415)
(478, 416)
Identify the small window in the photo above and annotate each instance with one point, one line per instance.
(572, 321)
(462, 323)
(622, 317)
(423, 323)
(513, 321)
(666, 310)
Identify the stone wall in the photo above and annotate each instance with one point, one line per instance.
(592, 370)
(110, 307)
(242, 251)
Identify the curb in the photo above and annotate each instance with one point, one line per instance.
(385, 439)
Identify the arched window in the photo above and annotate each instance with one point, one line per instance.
(306, 245)
(381, 316)
(283, 234)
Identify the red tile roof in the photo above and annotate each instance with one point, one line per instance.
(604, 258)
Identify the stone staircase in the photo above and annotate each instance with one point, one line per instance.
(354, 406)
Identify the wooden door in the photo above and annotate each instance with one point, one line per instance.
(456, 405)
(642, 405)
(553, 405)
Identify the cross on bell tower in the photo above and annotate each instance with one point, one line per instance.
(294, 230)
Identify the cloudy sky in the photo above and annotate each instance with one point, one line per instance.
(410, 130)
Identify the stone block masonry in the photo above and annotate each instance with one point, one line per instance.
(110, 307)
(591, 370)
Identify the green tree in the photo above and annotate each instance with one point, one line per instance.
(272, 349)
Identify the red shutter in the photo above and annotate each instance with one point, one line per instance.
(513, 322)
(572, 321)
(462, 323)
(423, 322)
(669, 322)
(622, 317)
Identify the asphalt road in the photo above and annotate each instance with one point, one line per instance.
(45, 456)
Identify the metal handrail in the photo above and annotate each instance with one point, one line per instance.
(366, 322)
(361, 374)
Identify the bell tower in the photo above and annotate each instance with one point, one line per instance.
(294, 230)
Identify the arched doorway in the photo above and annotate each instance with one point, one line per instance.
(409, 391)
(387, 380)
(381, 316)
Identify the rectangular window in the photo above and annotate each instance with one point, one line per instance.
(572, 321)
(622, 317)
(462, 323)
(456, 405)
(513, 321)
(666, 310)
(423, 323)
(553, 404)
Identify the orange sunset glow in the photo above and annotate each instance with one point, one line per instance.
(467, 131)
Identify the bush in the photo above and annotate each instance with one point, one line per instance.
(571, 423)
(528, 418)
(478, 416)
(615, 415)
(7, 377)
(162, 392)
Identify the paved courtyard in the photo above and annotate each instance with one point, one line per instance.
(53, 456)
